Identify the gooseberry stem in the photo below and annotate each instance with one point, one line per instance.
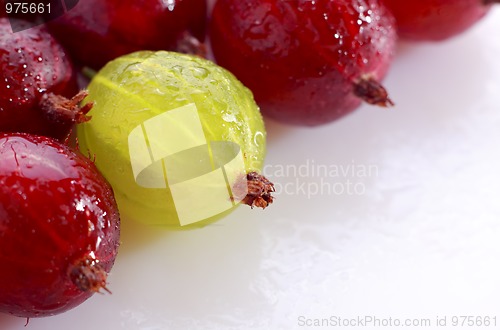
(258, 191)
(372, 92)
(59, 109)
(87, 275)
(189, 44)
(89, 72)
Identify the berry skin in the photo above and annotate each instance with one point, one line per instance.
(108, 29)
(142, 86)
(436, 19)
(59, 227)
(307, 62)
(33, 64)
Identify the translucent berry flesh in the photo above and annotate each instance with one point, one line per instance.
(32, 64)
(108, 29)
(59, 227)
(210, 107)
(307, 62)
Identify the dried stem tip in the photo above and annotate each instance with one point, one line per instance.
(88, 275)
(489, 2)
(189, 44)
(63, 110)
(372, 92)
(259, 191)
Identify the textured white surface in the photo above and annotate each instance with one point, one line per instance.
(419, 238)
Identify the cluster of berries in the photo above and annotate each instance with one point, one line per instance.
(307, 62)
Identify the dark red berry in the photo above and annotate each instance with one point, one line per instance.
(436, 19)
(59, 227)
(32, 64)
(307, 62)
(97, 31)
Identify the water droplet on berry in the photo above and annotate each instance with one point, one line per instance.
(200, 72)
(229, 117)
(169, 4)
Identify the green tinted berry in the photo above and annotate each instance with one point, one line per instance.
(174, 135)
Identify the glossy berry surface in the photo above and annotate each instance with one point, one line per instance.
(436, 19)
(32, 64)
(59, 227)
(307, 62)
(97, 31)
(142, 86)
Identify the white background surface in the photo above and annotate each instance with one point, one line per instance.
(422, 240)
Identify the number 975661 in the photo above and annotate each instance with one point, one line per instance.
(27, 8)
